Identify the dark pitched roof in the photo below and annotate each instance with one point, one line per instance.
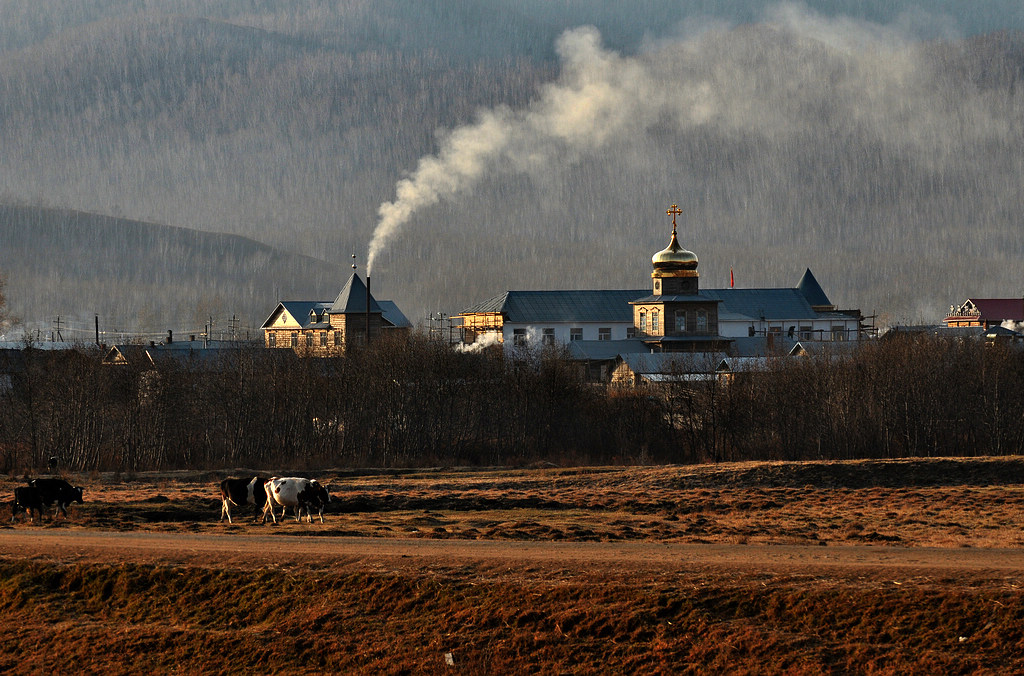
(809, 286)
(753, 304)
(604, 350)
(758, 346)
(613, 305)
(672, 362)
(393, 315)
(352, 298)
(666, 298)
(302, 311)
(562, 306)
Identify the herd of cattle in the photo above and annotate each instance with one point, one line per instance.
(264, 494)
(41, 493)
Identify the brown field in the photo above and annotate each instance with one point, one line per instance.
(911, 566)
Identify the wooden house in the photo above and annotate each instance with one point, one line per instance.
(325, 328)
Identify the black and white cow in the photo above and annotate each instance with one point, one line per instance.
(241, 492)
(27, 499)
(302, 494)
(58, 492)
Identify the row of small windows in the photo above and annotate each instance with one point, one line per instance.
(521, 336)
(686, 321)
(293, 339)
(838, 332)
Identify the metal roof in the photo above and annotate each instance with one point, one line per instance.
(529, 307)
(811, 290)
(393, 315)
(757, 346)
(999, 309)
(301, 311)
(613, 305)
(672, 362)
(755, 304)
(352, 298)
(604, 350)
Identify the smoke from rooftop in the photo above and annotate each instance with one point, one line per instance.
(856, 73)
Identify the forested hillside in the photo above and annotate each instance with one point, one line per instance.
(132, 274)
(873, 142)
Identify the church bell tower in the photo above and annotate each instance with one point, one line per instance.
(675, 268)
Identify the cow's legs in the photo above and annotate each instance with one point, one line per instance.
(225, 509)
(270, 507)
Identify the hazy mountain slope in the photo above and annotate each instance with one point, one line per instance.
(134, 275)
(876, 143)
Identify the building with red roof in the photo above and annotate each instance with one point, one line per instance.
(986, 312)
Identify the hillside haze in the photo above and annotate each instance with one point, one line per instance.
(126, 274)
(510, 144)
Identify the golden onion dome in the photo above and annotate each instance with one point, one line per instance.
(674, 257)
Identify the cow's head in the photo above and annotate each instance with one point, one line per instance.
(321, 492)
(78, 494)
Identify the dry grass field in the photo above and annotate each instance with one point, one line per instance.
(587, 570)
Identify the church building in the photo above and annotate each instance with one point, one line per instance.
(674, 315)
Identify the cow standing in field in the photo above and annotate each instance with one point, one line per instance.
(302, 494)
(240, 492)
(58, 492)
(26, 499)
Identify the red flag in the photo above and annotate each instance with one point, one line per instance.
(732, 282)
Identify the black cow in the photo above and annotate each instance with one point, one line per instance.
(27, 499)
(58, 492)
(239, 492)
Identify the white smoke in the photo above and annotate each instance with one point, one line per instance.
(600, 98)
(482, 342)
(1012, 325)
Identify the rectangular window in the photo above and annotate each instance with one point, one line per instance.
(806, 332)
(702, 322)
(309, 340)
(838, 332)
(643, 321)
(271, 339)
(549, 337)
(604, 334)
(654, 322)
(575, 334)
(337, 338)
(680, 321)
(519, 337)
(295, 339)
(630, 332)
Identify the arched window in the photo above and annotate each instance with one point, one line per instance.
(643, 321)
(654, 321)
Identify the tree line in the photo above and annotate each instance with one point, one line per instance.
(414, 402)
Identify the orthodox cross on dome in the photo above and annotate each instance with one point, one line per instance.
(674, 211)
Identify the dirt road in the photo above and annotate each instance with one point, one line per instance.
(375, 553)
